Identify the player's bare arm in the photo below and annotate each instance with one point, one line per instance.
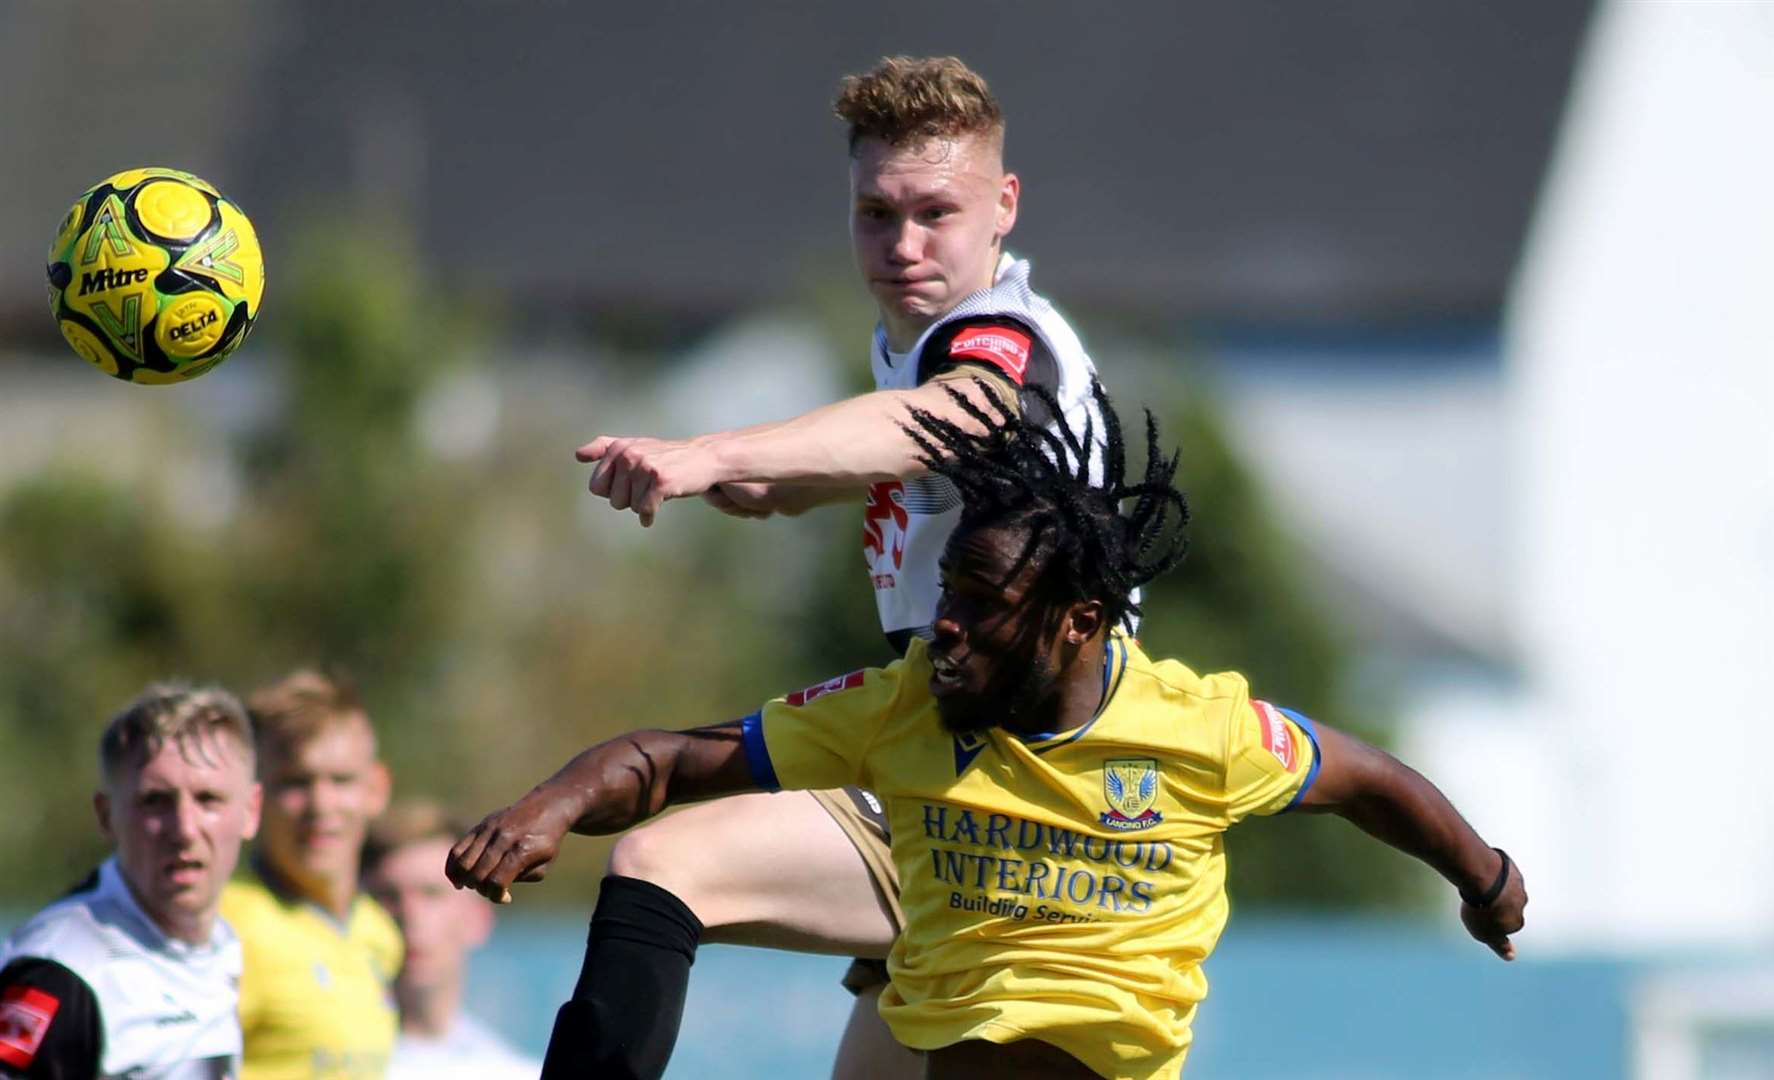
(606, 789)
(1392, 802)
(755, 501)
(846, 445)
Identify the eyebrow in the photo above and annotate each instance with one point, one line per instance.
(945, 196)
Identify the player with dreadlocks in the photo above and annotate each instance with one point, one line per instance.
(1057, 798)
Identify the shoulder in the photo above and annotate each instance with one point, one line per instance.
(474, 1038)
(861, 697)
(468, 1052)
(49, 1020)
(1177, 683)
(374, 930)
(68, 931)
(263, 924)
(246, 902)
(41, 973)
(1197, 710)
(1003, 343)
(371, 920)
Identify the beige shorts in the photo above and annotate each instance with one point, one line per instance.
(864, 821)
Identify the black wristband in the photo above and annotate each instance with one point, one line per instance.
(1496, 889)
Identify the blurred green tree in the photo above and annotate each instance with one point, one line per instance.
(1242, 601)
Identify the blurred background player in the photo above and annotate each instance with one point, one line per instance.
(132, 973)
(403, 868)
(931, 205)
(1059, 799)
(315, 1003)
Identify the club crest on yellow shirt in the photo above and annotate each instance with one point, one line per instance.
(1130, 785)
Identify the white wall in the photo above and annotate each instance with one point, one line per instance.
(1640, 379)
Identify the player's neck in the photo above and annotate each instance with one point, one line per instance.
(429, 1012)
(192, 929)
(903, 331)
(336, 898)
(1078, 693)
(333, 896)
(1084, 686)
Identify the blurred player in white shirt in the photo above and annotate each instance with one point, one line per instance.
(403, 868)
(132, 974)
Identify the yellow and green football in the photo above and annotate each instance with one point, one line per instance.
(155, 276)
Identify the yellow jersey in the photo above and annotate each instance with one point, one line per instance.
(315, 998)
(1062, 887)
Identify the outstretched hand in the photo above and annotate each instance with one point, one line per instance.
(638, 473)
(515, 844)
(1493, 923)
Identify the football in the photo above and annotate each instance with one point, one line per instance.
(155, 276)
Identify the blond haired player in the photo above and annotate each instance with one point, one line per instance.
(403, 869)
(1058, 799)
(132, 973)
(931, 205)
(316, 1001)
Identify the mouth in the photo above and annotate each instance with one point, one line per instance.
(945, 675)
(185, 871)
(319, 839)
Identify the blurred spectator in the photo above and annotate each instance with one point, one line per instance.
(131, 973)
(315, 1002)
(403, 867)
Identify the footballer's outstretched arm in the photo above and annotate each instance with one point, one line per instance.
(846, 445)
(605, 789)
(1394, 803)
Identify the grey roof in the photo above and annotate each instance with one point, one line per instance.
(1246, 158)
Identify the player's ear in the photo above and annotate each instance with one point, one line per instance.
(255, 802)
(101, 805)
(1084, 620)
(1009, 192)
(381, 786)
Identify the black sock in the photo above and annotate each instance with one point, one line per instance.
(622, 1021)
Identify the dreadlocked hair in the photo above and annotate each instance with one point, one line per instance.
(1020, 474)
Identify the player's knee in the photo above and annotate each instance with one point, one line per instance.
(654, 857)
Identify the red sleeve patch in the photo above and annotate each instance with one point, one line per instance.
(1277, 736)
(25, 1014)
(1003, 348)
(830, 686)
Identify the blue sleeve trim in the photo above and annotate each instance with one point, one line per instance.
(757, 755)
(1317, 756)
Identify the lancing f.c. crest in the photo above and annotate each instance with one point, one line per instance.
(1130, 786)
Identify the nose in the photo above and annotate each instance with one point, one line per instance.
(182, 822)
(323, 798)
(945, 630)
(908, 243)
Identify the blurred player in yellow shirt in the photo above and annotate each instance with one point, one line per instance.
(320, 958)
(1057, 799)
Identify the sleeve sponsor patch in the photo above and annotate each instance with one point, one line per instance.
(1277, 736)
(1002, 347)
(830, 686)
(25, 1015)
